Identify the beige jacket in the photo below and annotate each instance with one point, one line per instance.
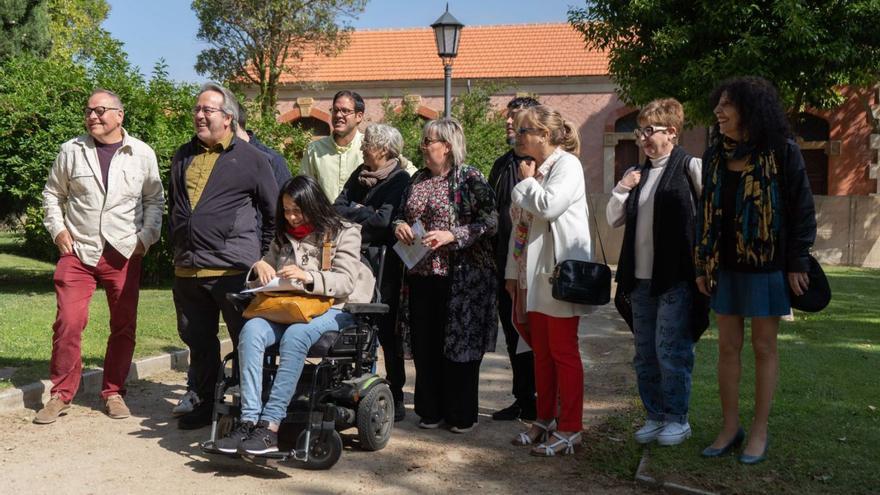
(130, 209)
(348, 280)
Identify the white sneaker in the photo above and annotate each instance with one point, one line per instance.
(674, 433)
(187, 403)
(649, 432)
(458, 429)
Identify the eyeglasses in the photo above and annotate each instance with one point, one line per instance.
(427, 141)
(345, 112)
(205, 110)
(99, 110)
(525, 130)
(648, 131)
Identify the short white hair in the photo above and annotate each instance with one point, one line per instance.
(384, 137)
(448, 130)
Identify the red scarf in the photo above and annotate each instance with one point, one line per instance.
(300, 232)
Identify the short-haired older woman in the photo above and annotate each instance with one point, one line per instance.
(370, 198)
(447, 313)
(756, 223)
(656, 202)
(549, 213)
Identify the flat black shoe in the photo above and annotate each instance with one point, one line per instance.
(509, 413)
(197, 418)
(528, 411)
(734, 443)
(399, 411)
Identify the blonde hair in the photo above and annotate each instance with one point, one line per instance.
(561, 133)
(449, 131)
(667, 112)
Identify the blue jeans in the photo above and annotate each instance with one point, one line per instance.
(295, 341)
(664, 357)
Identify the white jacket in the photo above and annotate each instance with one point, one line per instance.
(558, 203)
(129, 209)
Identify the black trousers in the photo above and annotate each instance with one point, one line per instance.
(199, 302)
(522, 365)
(395, 368)
(445, 390)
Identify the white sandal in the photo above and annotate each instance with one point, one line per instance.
(550, 450)
(524, 439)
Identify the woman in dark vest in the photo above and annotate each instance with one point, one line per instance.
(656, 202)
(756, 223)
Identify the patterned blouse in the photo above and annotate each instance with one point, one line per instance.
(429, 202)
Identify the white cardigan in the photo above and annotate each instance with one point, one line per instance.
(558, 203)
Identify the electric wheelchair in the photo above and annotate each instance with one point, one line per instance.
(338, 388)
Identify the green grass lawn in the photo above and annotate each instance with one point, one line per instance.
(27, 311)
(825, 424)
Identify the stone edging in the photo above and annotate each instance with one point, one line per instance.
(34, 395)
(641, 477)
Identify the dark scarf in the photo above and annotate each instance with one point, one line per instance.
(674, 224)
(757, 208)
(369, 178)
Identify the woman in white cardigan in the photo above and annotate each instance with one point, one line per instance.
(549, 215)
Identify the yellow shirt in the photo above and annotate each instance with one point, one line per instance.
(331, 165)
(201, 167)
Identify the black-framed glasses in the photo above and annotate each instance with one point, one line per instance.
(99, 110)
(522, 131)
(205, 110)
(428, 141)
(345, 112)
(648, 131)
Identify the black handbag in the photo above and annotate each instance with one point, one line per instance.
(818, 293)
(582, 282)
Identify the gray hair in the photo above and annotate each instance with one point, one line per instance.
(448, 130)
(230, 103)
(113, 96)
(385, 137)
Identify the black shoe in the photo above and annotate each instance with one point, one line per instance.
(735, 442)
(232, 441)
(399, 411)
(197, 418)
(509, 413)
(528, 411)
(261, 440)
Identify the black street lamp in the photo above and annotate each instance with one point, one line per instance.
(447, 32)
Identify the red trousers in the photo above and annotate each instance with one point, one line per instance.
(559, 372)
(75, 283)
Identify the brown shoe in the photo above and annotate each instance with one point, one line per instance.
(116, 408)
(50, 412)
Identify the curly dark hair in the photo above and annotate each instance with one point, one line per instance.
(762, 119)
(308, 195)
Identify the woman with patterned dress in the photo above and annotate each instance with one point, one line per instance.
(447, 319)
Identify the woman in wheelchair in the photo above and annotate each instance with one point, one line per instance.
(307, 225)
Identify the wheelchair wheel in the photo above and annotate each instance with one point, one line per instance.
(224, 425)
(375, 418)
(322, 455)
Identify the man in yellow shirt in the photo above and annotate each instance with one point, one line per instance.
(332, 159)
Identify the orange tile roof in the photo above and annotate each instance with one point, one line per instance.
(500, 51)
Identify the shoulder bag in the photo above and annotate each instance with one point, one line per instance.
(582, 282)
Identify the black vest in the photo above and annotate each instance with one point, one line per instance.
(674, 227)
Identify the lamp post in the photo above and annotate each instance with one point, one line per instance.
(447, 31)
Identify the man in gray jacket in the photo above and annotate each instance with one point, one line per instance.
(103, 206)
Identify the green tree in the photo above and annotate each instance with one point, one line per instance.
(808, 49)
(75, 28)
(24, 28)
(254, 42)
(484, 126)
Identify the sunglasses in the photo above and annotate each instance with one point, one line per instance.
(648, 131)
(429, 141)
(522, 131)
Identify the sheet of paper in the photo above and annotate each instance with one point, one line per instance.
(278, 284)
(411, 254)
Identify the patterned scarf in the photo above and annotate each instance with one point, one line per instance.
(757, 209)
